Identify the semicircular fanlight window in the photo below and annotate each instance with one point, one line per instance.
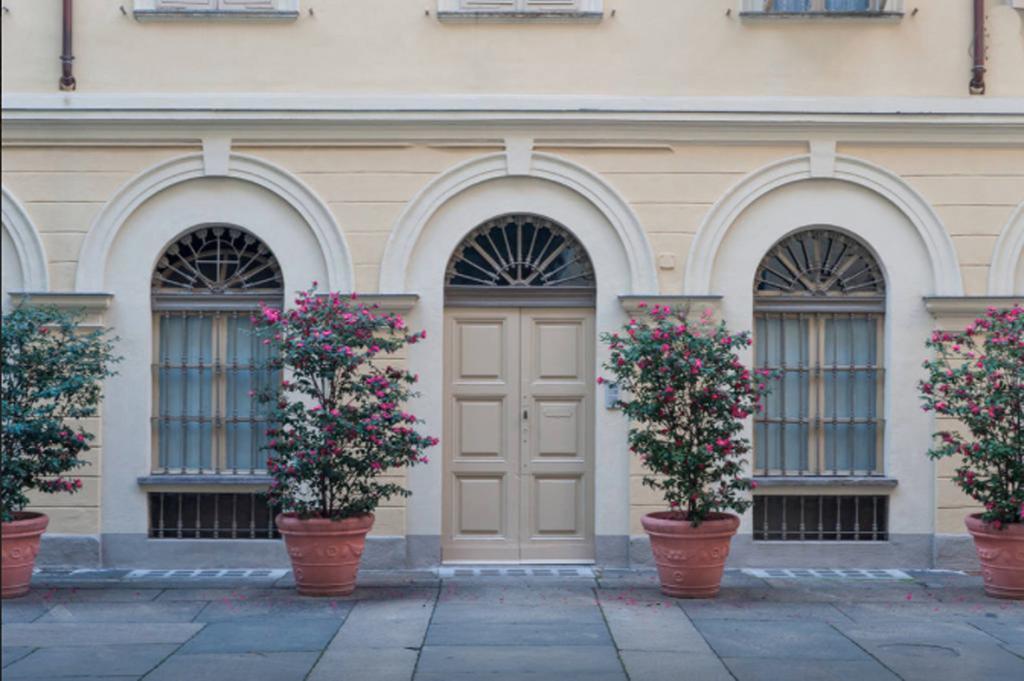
(217, 260)
(819, 262)
(520, 251)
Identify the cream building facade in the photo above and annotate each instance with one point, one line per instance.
(684, 153)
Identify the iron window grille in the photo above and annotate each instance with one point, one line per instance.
(819, 301)
(211, 515)
(209, 365)
(823, 7)
(821, 518)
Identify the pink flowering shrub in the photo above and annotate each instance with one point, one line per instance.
(977, 378)
(52, 375)
(687, 393)
(339, 423)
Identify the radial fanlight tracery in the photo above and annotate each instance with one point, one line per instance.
(217, 260)
(819, 262)
(520, 251)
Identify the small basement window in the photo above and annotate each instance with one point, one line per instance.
(821, 518)
(520, 10)
(211, 515)
(146, 10)
(834, 8)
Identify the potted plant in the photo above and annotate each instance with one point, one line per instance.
(52, 373)
(977, 378)
(339, 430)
(688, 394)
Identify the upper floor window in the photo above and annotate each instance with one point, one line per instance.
(516, 10)
(822, 7)
(208, 364)
(216, 9)
(819, 305)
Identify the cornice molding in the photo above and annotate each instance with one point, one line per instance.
(327, 119)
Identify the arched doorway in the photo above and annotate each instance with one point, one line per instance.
(518, 400)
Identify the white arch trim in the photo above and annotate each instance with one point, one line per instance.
(27, 243)
(98, 242)
(946, 279)
(1006, 255)
(406, 233)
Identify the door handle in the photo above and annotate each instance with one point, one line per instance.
(526, 414)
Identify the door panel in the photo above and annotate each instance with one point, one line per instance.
(518, 435)
(481, 436)
(557, 449)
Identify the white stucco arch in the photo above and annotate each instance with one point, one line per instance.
(95, 251)
(1006, 276)
(128, 263)
(29, 256)
(945, 279)
(909, 268)
(632, 241)
(423, 240)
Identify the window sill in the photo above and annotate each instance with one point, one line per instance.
(861, 482)
(873, 16)
(518, 17)
(186, 481)
(214, 15)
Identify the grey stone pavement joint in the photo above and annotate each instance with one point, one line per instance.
(413, 625)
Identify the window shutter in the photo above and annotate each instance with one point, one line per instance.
(185, 5)
(552, 5)
(230, 5)
(488, 5)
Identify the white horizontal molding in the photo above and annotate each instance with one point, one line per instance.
(955, 312)
(256, 105)
(519, 11)
(205, 10)
(120, 118)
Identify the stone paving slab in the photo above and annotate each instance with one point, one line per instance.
(241, 666)
(773, 669)
(1008, 632)
(269, 635)
(14, 612)
(122, 612)
(230, 608)
(780, 640)
(407, 626)
(51, 596)
(518, 634)
(88, 634)
(514, 613)
(669, 666)
(930, 649)
(386, 624)
(547, 661)
(761, 610)
(12, 654)
(113, 660)
(651, 624)
(365, 664)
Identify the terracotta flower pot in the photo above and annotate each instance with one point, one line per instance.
(324, 553)
(690, 559)
(1001, 553)
(20, 539)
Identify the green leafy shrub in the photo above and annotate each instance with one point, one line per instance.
(339, 419)
(977, 378)
(52, 374)
(688, 394)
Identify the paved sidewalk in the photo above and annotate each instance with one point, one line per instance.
(400, 626)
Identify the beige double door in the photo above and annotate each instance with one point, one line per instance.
(518, 452)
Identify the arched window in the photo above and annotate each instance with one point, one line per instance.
(819, 304)
(205, 288)
(520, 257)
